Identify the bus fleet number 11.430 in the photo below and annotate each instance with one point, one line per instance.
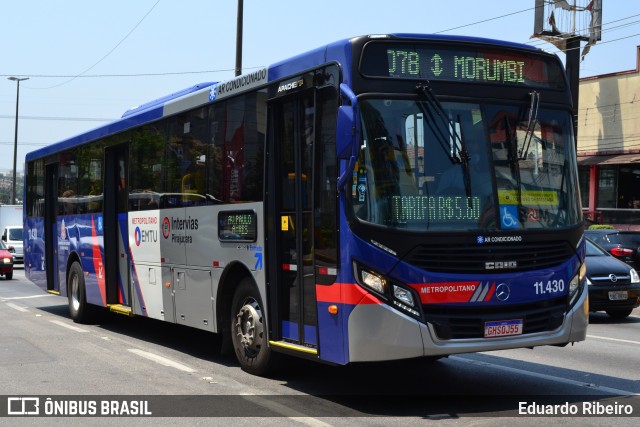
(551, 287)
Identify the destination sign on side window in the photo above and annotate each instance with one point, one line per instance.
(464, 64)
(237, 226)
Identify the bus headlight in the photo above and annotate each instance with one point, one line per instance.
(402, 298)
(405, 300)
(576, 283)
(403, 295)
(373, 281)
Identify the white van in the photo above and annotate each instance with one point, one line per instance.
(12, 237)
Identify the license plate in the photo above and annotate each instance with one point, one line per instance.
(618, 295)
(502, 328)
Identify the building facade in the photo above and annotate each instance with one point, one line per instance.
(608, 147)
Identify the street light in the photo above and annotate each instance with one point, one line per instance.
(15, 141)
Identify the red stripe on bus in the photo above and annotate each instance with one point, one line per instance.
(490, 293)
(98, 264)
(344, 293)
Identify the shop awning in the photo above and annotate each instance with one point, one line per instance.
(617, 159)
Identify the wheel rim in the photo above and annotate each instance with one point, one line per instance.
(74, 292)
(249, 327)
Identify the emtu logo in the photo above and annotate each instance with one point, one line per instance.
(137, 235)
(143, 236)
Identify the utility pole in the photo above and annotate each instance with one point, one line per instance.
(15, 140)
(572, 64)
(239, 39)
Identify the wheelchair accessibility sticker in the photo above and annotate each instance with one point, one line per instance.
(509, 216)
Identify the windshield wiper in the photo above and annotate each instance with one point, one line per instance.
(531, 124)
(453, 150)
(514, 161)
(458, 152)
(465, 157)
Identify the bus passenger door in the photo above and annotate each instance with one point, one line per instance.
(51, 227)
(290, 225)
(116, 232)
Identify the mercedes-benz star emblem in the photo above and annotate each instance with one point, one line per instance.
(503, 292)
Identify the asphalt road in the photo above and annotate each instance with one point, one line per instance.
(179, 371)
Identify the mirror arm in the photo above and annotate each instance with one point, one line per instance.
(346, 92)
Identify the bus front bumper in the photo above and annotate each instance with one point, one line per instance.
(378, 332)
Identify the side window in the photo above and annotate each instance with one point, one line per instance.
(186, 158)
(90, 184)
(215, 151)
(35, 189)
(68, 184)
(146, 154)
(243, 156)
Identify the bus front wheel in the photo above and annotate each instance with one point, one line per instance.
(248, 330)
(76, 292)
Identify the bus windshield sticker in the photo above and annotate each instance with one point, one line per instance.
(529, 197)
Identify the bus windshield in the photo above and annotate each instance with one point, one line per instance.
(464, 166)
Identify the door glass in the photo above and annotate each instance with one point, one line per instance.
(288, 224)
(297, 137)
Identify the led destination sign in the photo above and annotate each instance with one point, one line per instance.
(435, 208)
(462, 64)
(237, 226)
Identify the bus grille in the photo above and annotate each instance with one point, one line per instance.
(464, 258)
(462, 322)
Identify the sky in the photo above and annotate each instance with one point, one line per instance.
(89, 61)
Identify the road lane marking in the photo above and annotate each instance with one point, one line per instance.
(285, 410)
(17, 307)
(161, 360)
(311, 422)
(28, 297)
(68, 326)
(613, 339)
(568, 381)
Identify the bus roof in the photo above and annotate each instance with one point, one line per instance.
(200, 94)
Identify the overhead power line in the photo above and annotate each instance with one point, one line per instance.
(22, 143)
(485, 20)
(174, 73)
(110, 52)
(66, 119)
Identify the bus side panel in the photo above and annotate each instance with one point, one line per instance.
(85, 238)
(147, 275)
(34, 254)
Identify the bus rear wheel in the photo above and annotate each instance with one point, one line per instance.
(248, 330)
(79, 310)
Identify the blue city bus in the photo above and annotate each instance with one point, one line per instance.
(379, 198)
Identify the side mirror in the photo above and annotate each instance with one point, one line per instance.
(345, 132)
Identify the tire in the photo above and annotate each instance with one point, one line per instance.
(79, 310)
(9, 276)
(249, 331)
(619, 313)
